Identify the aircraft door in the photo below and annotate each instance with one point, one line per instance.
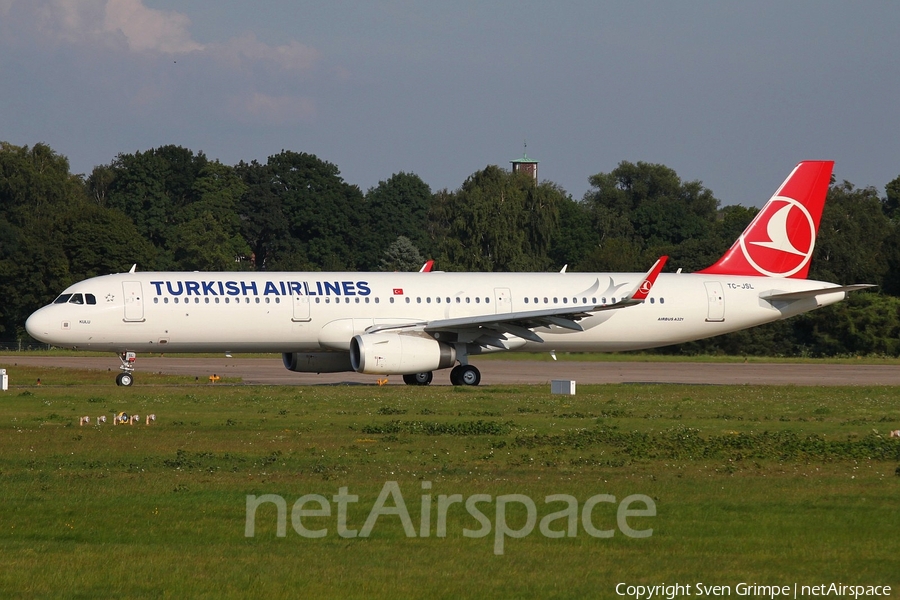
(716, 299)
(503, 300)
(301, 308)
(134, 302)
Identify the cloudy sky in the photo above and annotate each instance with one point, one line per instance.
(730, 93)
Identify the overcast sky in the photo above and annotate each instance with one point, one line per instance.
(729, 93)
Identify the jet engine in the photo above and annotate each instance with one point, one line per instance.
(316, 362)
(397, 353)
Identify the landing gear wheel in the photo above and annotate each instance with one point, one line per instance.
(124, 379)
(418, 378)
(465, 375)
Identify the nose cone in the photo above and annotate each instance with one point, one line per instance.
(38, 325)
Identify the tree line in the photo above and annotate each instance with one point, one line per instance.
(170, 208)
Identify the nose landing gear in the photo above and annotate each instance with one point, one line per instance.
(126, 377)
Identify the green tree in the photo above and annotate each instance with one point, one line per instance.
(497, 221)
(300, 214)
(152, 188)
(396, 207)
(401, 255)
(851, 238)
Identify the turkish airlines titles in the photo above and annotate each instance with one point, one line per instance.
(271, 288)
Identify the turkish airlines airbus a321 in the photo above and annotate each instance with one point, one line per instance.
(411, 324)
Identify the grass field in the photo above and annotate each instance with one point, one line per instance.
(774, 486)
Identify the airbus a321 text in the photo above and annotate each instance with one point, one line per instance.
(412, 324)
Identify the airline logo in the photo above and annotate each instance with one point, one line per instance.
(781, 240)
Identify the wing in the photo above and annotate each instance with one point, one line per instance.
(492, 330)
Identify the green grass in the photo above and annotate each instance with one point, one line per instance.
(751, 484)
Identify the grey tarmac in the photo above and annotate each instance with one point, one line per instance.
(270, 371)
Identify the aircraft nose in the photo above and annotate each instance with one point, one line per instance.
(38, 325)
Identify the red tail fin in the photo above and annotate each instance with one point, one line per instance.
(779, 242)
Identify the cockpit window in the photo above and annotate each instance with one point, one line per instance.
(76, 299)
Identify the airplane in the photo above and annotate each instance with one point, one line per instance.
(415, 323)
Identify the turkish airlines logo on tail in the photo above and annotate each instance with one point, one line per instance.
(645, 287)
(782, 238)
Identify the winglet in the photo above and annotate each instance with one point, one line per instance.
(642, 290)
(426, 268)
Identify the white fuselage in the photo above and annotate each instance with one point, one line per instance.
(306, 312)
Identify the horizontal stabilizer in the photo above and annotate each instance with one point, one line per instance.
(814, 293)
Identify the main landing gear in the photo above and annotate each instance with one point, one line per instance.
(459, 375)
(126, 377)
(465, 375)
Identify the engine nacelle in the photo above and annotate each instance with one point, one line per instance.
(316, 362)
(399, 354)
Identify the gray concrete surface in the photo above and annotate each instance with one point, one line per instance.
(271, 371)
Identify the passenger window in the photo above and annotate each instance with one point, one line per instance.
(165, 300)
(526, 300)
(206, 300)
(392, 300)
(565, 300)
(156, 301)
(477, 299)
(662, 300)
(63, 298)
